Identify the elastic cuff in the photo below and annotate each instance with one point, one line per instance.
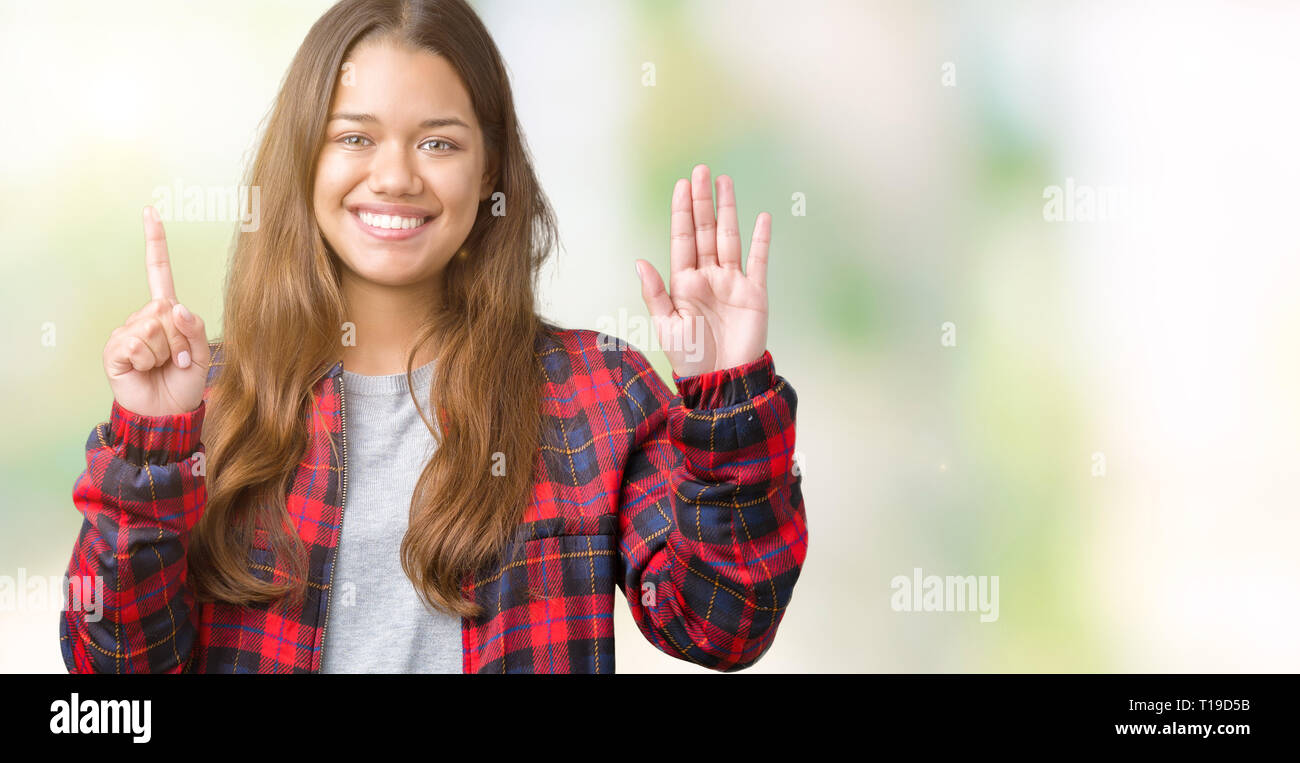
(727, 386)
(156, 440)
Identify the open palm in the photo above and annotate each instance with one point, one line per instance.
(716, 314)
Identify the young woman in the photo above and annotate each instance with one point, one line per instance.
(283, 500)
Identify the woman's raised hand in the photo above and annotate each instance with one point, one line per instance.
(716, 314)
(157, 360)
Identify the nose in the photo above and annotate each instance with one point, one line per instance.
(393, 172)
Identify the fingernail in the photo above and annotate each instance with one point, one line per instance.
(183, 359)
(181, 312)
(637, 265)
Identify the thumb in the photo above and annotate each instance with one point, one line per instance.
(653, 292)
(192, 327)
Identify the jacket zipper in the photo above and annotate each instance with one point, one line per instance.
(343, 502)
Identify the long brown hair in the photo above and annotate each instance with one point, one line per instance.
(284, 308)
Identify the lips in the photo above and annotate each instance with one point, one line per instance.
(385, 208)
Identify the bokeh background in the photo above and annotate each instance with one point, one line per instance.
(1112, 434)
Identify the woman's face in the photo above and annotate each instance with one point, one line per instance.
(402, 168)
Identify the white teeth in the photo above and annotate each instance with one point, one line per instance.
(390, 222)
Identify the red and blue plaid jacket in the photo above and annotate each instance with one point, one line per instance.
(689, 503)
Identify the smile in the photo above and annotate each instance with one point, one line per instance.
(391, 227)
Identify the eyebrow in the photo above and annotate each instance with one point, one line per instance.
(428, 123)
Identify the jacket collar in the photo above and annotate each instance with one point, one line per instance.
(331, 372)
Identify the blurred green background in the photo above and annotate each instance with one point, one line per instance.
(926, 142)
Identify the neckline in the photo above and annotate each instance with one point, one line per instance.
(387, 384)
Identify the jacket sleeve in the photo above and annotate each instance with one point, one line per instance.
(712, 530)
(141, 493)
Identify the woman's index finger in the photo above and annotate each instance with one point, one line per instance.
(157, 262)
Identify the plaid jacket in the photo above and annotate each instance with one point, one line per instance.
(689, 503)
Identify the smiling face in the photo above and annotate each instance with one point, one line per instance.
(403, 166)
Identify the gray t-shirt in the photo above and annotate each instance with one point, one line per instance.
(377, 621)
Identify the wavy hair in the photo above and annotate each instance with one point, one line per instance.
(283, 308)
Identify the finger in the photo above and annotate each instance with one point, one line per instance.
(653, 292)
(118, 352)
(158, 264)
(681, 248)
(129, 354)
(757, 266)
(177, 341)
(728, 225)
(178, 344)
(195, 333)
(143, 358)
(152, 332)
(129, 350)
(706, 236)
